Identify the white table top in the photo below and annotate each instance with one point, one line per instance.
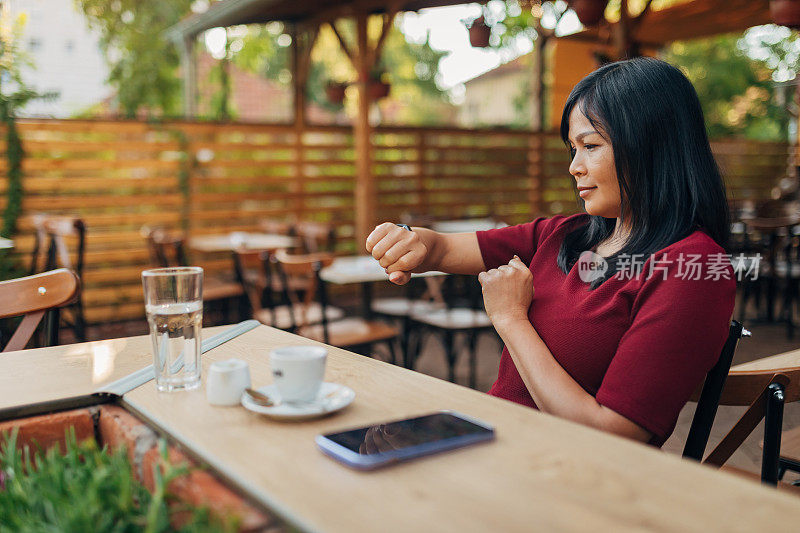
(466, 225)
(6, 243)
(231, 241)
(360, 269)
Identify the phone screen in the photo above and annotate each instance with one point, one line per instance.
(402, 434)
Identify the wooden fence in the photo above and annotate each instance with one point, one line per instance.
(208, 178)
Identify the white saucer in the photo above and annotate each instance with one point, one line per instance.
(332, 397)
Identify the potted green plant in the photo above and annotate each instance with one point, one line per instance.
(335, 92)
(785, 12)
(479, 33)
(590, 12)
(89, 488)
(379, 86)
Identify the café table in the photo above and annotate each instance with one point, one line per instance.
(237, 239)
(6, 243)
(363, 269)
(541, 473)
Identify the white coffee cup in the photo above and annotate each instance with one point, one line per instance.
(297, 371)
(226, 381)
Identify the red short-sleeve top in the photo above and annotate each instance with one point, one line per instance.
(639, 344)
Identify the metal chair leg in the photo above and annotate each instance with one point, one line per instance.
(473, 359)
(773, 421)
(449, 342)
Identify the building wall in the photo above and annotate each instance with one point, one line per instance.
(65, 54)
(489, 101)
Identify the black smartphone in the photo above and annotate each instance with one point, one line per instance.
(383, 444)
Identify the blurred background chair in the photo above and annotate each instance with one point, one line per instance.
(316, 236)
(60, 242)
(223, 292)
(264, 291)
(33, 297)
(355, 333)
(462, 317)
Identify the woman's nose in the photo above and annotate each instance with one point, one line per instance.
(576, 166)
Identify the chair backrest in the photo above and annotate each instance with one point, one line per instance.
(305, 268)
(258, 288)
(764, 391)
(32, 297)
(710, 394)
(166, 249)
(316, 236)
(58, 230)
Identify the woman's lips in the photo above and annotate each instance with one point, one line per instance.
(584, 191)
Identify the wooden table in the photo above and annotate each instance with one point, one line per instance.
(363, 269)
(541, 474)
(231, 241)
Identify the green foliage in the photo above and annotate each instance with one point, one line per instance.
(143, 62)
(14, 94)
(736, 91)
(410, 67)
(88, 489)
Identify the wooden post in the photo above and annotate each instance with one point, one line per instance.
(365, 189)
(303, 40)
(189, 67)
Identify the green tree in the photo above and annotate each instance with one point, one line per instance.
(735, 90)
(411, 67)
(143, 62)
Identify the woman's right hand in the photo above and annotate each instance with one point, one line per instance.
(398, 250)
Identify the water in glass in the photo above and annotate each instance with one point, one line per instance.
(175, 331)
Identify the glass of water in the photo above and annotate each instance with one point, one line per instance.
(173, 300)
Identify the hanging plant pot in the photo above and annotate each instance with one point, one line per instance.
(479, 33)
(590, 12)
(335, 92)
(378, 89)
(785, 12)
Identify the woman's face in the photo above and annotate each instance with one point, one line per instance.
(593, 167)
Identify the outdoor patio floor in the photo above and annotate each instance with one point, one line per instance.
(767, 339)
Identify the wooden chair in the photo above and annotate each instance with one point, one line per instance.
(169, 250)
(414, 302)
(263, 297)
(763, 388)
(56, 231)
(316, 237)
(32, 297)
(356, 334)
(466, 319)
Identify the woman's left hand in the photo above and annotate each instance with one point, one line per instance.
(507, 292)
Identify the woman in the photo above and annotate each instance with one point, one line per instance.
(621, 349)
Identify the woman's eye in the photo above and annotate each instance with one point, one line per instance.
(590, 146)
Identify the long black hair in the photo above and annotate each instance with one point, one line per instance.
(669, 181)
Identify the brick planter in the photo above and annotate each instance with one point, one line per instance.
(113, 426)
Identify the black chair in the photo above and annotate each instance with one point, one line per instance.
(464, 316)
(58, 230)
(353, 333)
(763, 390)
(708, 402)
